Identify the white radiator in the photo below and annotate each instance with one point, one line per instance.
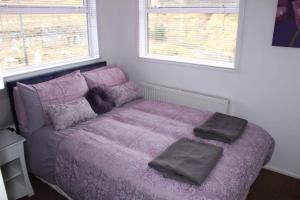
(187, 98)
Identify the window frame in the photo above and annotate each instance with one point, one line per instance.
(89, 8)
(143, 10)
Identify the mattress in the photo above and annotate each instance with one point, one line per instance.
(107, 157)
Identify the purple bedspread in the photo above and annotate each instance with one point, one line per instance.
(107, 158)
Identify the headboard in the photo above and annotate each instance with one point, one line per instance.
(42, 78)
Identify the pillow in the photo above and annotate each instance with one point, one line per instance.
(111, 75)
(99, 100)
(61, 90)
(69, 114)
(124, 93)
(32, 107)
(20, 111)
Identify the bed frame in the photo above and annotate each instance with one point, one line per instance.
(42, 78)
(46, 77)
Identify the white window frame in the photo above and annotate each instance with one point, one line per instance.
(144, 9)
(89, 8)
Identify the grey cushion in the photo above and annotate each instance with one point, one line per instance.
(69, 114)
(33, 107)
(124, 93)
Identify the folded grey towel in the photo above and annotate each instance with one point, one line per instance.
(221, 127)
(187, 160)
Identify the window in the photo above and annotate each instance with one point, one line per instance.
(191, 31)
(42, 32)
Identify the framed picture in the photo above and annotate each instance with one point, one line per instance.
(287, 24)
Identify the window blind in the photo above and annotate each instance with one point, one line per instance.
(43, 2)
(39, 32)
(196, 31)
(194, 3)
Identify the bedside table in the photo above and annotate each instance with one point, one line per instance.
(13, 166)
(3, 195)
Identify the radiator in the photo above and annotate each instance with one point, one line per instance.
(184, 97)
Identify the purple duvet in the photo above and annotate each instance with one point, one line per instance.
(107, 158)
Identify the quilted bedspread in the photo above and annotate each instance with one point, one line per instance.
(107, 158)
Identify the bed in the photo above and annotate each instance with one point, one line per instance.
(107, 157)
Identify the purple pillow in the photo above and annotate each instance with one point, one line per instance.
(124, 93)
(32, 107)
(71, 113)
(99, 100)
(61, 90)
(110, 75)
(20, 111)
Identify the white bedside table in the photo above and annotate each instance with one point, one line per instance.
(13, 166)
(3, 195)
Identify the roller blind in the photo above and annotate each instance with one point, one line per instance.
(195, 31)
(41, 32)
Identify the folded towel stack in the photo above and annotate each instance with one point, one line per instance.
(187, 160)
(221, 127)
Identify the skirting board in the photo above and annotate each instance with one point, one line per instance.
(283, 172)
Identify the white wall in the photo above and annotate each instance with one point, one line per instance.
(265, 89)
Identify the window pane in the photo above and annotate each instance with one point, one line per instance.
(8, 2)
(51, 38)
(194, 3)
(194, 37)
(47, 38)
(11, 43)
(43, 2)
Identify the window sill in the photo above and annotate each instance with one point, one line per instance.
(203, 65)
(35, 70)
